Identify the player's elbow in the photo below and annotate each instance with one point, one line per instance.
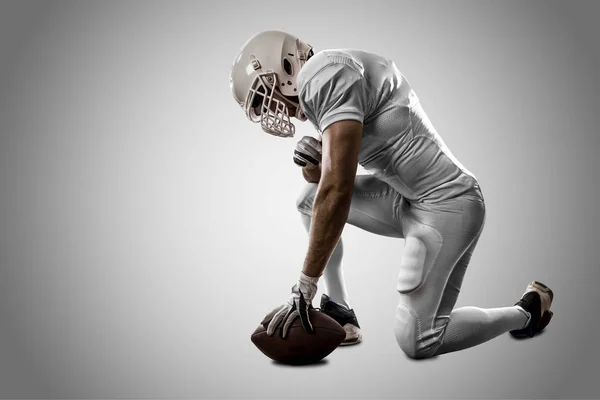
(339, 183)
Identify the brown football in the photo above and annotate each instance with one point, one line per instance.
(299, 346)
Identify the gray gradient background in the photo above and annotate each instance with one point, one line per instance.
(147, 226)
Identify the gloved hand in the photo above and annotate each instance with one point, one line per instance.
(307, 152)
(298, 304)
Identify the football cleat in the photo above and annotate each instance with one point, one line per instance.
(536, 301)
(345, 317)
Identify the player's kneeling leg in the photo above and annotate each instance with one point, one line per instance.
(414, 333)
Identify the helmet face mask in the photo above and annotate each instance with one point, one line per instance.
(268, 107)
(263, 80)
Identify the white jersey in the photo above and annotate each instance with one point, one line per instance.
(400, 146)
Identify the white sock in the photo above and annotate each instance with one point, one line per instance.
(470, 326)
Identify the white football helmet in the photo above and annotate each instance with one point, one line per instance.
(263, 80)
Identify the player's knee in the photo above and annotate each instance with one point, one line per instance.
(412, 265)
(305, 199)
(412, 336)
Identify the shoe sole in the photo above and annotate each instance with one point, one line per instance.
(351, 341)
(545, 320)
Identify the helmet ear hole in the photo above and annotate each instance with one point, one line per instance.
(287, 67)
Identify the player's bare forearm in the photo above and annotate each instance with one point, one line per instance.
(329, 215)
(341, 144)
(312, 174)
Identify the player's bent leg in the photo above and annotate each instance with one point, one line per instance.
(336, 304)
(426, 324)
(371, 209)
(471, 326)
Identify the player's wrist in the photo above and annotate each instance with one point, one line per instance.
(308, 286)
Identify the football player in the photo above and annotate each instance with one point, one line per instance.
(367, 113)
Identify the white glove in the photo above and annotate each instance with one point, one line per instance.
(298, 304)
(307, 152)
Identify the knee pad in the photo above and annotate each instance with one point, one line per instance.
(304, 202)
(416, 340)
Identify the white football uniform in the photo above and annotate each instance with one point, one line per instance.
(417, 191)
(400, 145)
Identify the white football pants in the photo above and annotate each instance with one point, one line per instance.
(439, 240)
